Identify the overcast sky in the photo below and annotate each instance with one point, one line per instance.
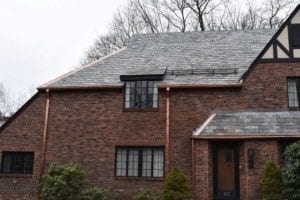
(41, 39)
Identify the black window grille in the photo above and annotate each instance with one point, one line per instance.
(294, 92)
(141, 94)
(140, 161)
(17, 162)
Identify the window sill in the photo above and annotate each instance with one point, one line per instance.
(131, 178)
(294, 108)
(140, 109)
(17, 175)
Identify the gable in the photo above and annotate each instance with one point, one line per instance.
(285, 44)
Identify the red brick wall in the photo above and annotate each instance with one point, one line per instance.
(24, 133)
(86, 126)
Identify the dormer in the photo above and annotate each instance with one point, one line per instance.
(141, 89)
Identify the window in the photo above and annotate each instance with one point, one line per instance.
(17, 163)
(295, 33)
(294, 92)
(140, 161)
(141, 94)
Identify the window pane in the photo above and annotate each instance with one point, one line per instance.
(158, 162)
(138, 84)
(17, 163)
(121, 162)
(147, 162)
(127, 94)
(292, 93)
(28, 164)
(133, 162)
(7, 164)
(140, 161)
(141, 94)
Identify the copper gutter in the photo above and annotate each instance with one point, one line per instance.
(242, 137)
(45, 135)
(167, 129)
(83, 87)
(232, 85)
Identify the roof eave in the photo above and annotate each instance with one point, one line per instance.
(243, 137)
(53, 88)
(230, 85)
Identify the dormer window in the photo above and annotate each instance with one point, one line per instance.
(141, 94)
(294, 92)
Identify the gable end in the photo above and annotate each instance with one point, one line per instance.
(284, 45)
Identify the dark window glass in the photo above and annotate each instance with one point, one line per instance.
(295, 32)
(17, 163)
(140, 161)
(141, 94)
(294, 92)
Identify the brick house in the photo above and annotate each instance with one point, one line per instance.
(215, 104)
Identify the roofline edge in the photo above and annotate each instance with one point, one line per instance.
(240, 137)
(47, 84)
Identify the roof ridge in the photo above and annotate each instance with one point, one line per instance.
(47, 84)
(203, 32)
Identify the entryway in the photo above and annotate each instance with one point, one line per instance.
(226, 170)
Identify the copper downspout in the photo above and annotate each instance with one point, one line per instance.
(167, 129)
(193, 164)
(45, 137)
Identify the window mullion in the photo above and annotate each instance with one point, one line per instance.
(152, 162)
(298, 90)
(127, 163)
(147, 95)
(135, 93)
(140, 161)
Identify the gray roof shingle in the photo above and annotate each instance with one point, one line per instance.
(152, 53)
(286, 123)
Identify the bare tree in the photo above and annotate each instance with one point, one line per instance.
(5, 107)
(276, 11)
(156, 16)
(9, 104)
(202, 8)
(177, 13)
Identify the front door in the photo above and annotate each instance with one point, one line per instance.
(226, 171)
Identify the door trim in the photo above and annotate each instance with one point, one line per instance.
(235, 146)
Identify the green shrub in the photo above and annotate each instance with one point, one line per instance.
(143, 194)
(176, 186)
(94, 194)
(62, 182)
(291, 172)
(271, 184)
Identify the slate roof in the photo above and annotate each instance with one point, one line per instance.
(186, 52)
(252, 123)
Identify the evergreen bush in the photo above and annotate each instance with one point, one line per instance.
(176, 186)
(271, 184)
(291, 172)
(144, 194)
(62, 182)
(94, 194)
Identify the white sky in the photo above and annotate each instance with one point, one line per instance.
(42, 39)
